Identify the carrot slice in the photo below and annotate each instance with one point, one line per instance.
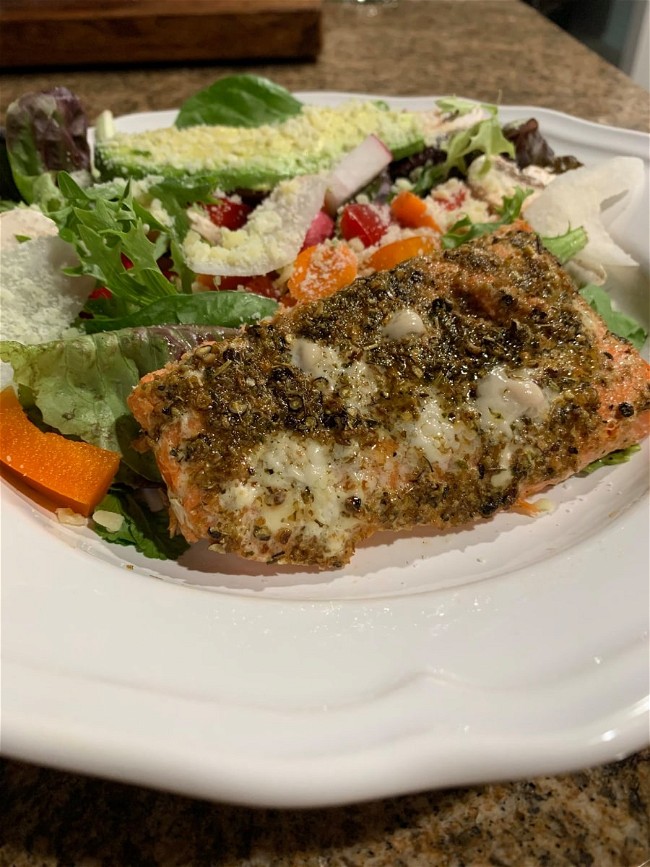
(389, 255)
(411, 211)
(73, 474)
(322, 270)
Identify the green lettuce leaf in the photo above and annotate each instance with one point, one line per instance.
(239, 100)
(227, 309)
(46, 132)
(80, 385)
(148, 531)
(458, 105)
(618, 323)
(465, 230)
(621, 456)
(175, 195)
(565, 247)
(104, 224)
(484, 137)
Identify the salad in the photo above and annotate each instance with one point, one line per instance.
(250, 204)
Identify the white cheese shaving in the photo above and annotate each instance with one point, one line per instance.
(111, 521)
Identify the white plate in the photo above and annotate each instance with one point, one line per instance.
(514, 649)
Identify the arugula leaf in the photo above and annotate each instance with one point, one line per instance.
(225, 308)
(175, 195)
(148, 531)
(465, 230)
(618, 323)
(105, 225)
(239, 100)
(621, 456)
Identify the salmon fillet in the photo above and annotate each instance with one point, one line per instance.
(437, 393)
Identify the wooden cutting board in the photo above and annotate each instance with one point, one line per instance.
(37, 33)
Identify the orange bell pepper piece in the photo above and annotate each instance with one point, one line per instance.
(389, 255)
(73, 474)
(322, 270)
(411, 211)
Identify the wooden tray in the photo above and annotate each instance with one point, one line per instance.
(37, 33)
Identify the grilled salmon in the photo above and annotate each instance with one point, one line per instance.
(437, 393)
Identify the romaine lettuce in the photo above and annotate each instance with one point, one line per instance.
(80, 385)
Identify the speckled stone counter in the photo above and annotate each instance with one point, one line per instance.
(496, 50)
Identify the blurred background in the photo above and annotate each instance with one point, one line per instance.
(616, 29)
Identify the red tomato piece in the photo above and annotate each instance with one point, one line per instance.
(451, 201)
(100, 292)
(258, 285)
(228, 213)
(321, 228)
(368, 223)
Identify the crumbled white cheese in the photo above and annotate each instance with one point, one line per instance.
(451, 201)
(270, 239)
(502, 398)
(432, 433)
(404, 323)
(316, 360)
(70, 517)
(495, 178)
(39, 301)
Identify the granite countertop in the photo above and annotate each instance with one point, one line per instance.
(495, 50)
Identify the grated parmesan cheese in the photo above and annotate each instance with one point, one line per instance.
(39, 301)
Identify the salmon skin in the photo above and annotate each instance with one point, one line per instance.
(437, 393)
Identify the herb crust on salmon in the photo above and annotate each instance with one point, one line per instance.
(437, 393)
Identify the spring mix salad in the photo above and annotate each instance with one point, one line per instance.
(251, 203)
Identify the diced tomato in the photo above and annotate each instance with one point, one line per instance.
(451, 201)
(126, 261)
(100, 292)
(321, 228)
(368, 223)
(228, 213)
(261, 284)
